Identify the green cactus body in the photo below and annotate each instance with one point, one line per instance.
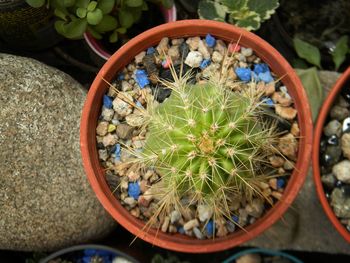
(207, 142)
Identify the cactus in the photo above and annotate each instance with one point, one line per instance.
(209, 144)
(248, 14)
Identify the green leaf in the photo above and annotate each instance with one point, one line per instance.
(136, 13)
(313, 89)
(106, 6)
(234, 4)
(264, 8)
(35, 3)
(211, 10)
(121, 30)
(91, 6)
(113, 37)
(94, 17)
(299, 63)
(82, 3)
(252, 22)
(81, 12)
(307, 51)
(126, 18)
(144, 6)
(134, 3)
(72, 30)
(94, 33)
(108, 23)
(339, 53)
(167, 3)
(68, 3)
(61, 13)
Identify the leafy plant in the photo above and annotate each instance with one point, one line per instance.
(312, 54)
(112, 17)
(248, 14)
(209, 144)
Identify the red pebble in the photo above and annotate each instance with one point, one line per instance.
(234, 47)
(166, 63)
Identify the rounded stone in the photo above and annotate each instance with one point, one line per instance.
(46, 202)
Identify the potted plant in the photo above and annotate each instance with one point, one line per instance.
(330, 158)
(215, 35)
(104, 24)
(88, 253)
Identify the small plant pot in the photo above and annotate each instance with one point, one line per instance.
(76, 252)
(123, 57)
(327, 105)
(100, 54)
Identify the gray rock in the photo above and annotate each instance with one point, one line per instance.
(345, 145)
(333, 127)
(340, 203)
(107, 114)
(162, 47)
(342, 171)
(203, 49)
(124, 131)
(256, 208)
(247, 52)
(198, 234)
(175, 216)
(46, 202)
(334, 151)
(121, 104)
(339, 113)
(135, 120)
(328, 180)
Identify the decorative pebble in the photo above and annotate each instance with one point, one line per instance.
(205, 63)
(107, 114)
(266, 77)
(342, 171)
(121, 105)
(150, 51)
(346, 125)
(162, 47)
(287, 113)
(194, 59)
(345, 145)
(203, 49)
(234, 47)
(138, 104)
(210, 228)
(333, 127)
(193, 43)
(139, 57)
(175, 216)
(333, 140)
(204, 212)
(181, 230)
(261, 68)
(109, 139)
(107, 102)
(134, 190)
(102, 128)
(217, 57)
(141, 78)
(130, 201)
(243, 74)
(198, 234)
(191, 224)
(210, 40)
(269, 102)
(280, 183)
(111, 128)
(247, 52)
(117, 152)
(339, 113)
(166, 63)
(121, 76)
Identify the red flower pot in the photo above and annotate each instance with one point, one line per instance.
(124, 56)
(327, 105)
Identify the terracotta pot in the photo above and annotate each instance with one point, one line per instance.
(322, 116)
(120, 59)
(103, 54)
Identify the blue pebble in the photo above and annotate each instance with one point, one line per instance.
(205, 63)
(121, 76)
(235, 219)
(210, 40)
(244, 74)
(181, 230)
(266, 77)
(138, 104)
(210, 228)
(134, 190)
(269, 102)
(107, 102)
(255, 77)
(141, 78)
(117, 152)
(280, 183)
(150, 51)
(261, 68)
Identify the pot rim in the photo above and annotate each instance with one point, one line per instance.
(96, 46)
(121, 58)
(323, 114)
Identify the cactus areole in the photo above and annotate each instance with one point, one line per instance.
(204, 140)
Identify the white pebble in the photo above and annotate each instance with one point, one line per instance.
(202, 48)
(194, 59)
(191, 224)
(216, 57)
(198, 233)
(175, 216)
(204, 212)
